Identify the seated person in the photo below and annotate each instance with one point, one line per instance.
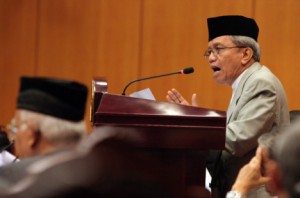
(49, 118)
(105, 164)
(278, 168)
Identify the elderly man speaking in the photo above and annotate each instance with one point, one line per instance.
(258, 104)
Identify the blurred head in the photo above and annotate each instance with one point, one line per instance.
(49, 115)
(232, 46)
(266, 143)
(39, 134)
(287, 156)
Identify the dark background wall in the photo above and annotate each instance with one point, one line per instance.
(127, 39)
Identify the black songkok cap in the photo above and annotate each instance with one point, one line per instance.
(232, 25)
(55, 97)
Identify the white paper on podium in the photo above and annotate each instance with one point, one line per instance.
(6, 158)
(145, 94)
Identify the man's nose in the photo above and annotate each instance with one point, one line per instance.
(211, 58)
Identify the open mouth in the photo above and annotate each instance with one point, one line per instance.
(215, 68)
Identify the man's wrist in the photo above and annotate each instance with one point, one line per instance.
(234, 194)
(241, 187)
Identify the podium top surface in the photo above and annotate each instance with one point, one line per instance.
(164, 124)
(113, 109)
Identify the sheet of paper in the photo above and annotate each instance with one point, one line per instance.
(145, 94)
(6, 158)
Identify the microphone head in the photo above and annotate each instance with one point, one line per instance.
(187, 70)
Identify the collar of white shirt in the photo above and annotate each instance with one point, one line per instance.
(235, 84)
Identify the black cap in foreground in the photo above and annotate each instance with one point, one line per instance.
(55, 97)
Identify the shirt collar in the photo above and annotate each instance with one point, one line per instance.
(237, 81)
(235, 84)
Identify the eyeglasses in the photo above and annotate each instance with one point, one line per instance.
(217, 50)
(11, 127)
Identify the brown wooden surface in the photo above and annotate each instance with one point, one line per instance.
(17, 51)
(162, 124)
(181, 134)
(129, 39)
(279, 39)
(189, 127)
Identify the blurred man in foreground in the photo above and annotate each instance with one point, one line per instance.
(49, 118)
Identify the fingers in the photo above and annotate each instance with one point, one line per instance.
(171, 96)
(256, 161)
(258, 155)
(250, 177)
(195, 100)
(258, 152)
(264, 180)
(175, 97)
(169, 99)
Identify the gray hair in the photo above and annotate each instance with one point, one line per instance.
(248, 42)
(57, 131)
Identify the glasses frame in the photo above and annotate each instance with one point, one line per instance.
(216, 51)
(11, 127)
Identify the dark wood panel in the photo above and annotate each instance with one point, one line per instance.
(67, 39)
(279, 39)
(91, 38)
(17, 52)
(125, 40)
(175, 36)
(119, 43)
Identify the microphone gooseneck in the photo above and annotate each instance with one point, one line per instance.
(187, 70)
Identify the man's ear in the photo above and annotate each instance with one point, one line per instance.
(33, 135)
(247, 55)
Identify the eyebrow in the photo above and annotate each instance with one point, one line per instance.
(215, 45)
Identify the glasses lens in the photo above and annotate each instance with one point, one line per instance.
(207, 53)
(11, 127)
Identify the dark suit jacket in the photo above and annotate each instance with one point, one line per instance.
(12, 173)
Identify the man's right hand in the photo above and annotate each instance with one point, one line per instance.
(174, 96)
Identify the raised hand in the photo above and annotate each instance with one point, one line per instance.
(174, 96)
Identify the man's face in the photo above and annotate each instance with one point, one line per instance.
(22, 138)
(225, 63)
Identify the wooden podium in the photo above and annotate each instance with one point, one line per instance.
(184, 134)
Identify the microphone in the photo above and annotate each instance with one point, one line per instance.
(187, 70)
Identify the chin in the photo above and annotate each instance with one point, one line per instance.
(220, 81)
